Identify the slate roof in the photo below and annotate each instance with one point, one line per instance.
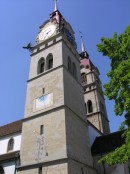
(11, 128)
(9, 156)
(107, 143)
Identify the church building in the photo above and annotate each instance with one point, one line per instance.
(65, 129)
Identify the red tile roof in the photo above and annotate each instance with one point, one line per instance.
(11, 128)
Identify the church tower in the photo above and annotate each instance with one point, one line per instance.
(93, 95)
(55, 133)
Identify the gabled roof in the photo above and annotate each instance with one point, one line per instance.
(11, 128)
(9, 156)
(107, 143)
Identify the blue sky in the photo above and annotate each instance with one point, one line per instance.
(19, 22)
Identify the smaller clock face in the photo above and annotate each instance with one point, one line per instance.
(47, 32)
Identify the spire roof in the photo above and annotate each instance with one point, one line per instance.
(82, 43)
(83, 53)
(56, 6)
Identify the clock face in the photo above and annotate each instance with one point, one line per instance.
(47, 32)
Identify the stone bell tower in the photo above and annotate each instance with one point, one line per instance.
(55, 134)
(93, 95)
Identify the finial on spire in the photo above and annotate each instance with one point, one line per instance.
(82, 43)
(56, 6)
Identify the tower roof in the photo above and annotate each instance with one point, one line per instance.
(60, 25)
(83, 53)
(84, 57)
(56, 6)
(82, 43)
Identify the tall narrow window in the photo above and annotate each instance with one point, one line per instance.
(49, 61)
(74, 71)
(82, 170)
(90, 106)
(41, 66)
(86, 108)
(10, 145)
(41, 129)
(40, 170)
(50, 64)
(43, 90)
(83, 78)
(69, 64)
(1, 170)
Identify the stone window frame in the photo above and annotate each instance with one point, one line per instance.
(10, 146)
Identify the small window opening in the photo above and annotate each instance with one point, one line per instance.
(82, 170)
(43, 90)
(10, 145)
(1, 170)
(84, 78)
(41, 129)
(86, 108)
(40, 170)
(90, 107)
(49, 62)
(74, 71)
(69, 64)
(90, 88)
(41, 66)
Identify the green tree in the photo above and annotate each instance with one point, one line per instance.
(117, 49)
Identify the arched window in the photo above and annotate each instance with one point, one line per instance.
(41, 66)
(83, 78)
(90, 106)
(49, 61)
(1, 170)
(10, 145)
(74, 72)
(69, 64)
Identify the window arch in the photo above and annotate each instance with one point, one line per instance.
(90, 106)
(10, 145)
(69, 64)
(1, 170)
(74, 72)
(41, 66)
(84, 78)
(49, 61)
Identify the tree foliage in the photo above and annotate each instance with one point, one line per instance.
(117, 49)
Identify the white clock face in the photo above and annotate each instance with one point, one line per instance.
(47, 32)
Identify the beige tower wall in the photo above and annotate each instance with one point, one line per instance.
(65, 127)
(35, 90)
(54, 134)
(78, 147)
(56, 51)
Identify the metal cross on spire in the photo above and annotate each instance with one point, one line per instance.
(56, 6)
(82, 43)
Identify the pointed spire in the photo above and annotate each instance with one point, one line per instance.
(56, 6)
(82, 43)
